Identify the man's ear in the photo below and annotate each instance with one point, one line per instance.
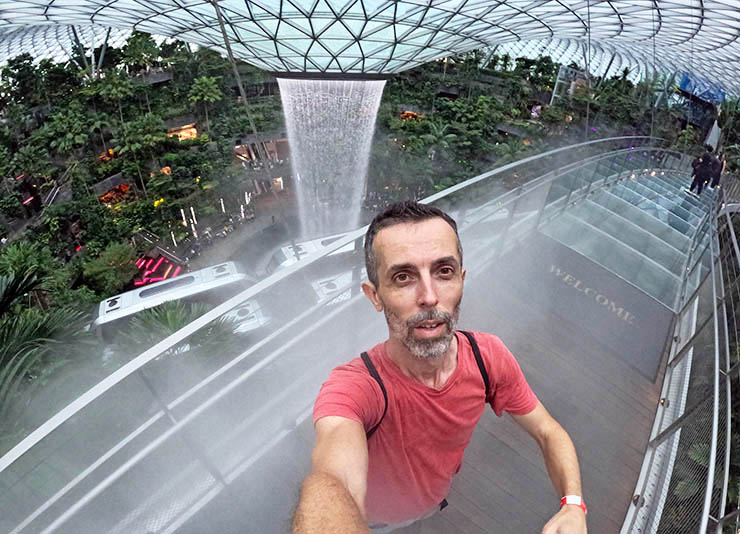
(371, 293)
(464, 272)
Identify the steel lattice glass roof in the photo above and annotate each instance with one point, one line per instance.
(53, 40)
(388, 36)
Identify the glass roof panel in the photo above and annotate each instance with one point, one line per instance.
(687, 35)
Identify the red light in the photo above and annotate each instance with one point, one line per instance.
(158, 263)
(141, 282)
(167, 272)
(177, 271)
(156, 279)
(19, 177)
(29, 199)
(140, 262)
(149, 263)
(78, 248)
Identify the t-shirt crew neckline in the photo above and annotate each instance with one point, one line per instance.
(393, 368)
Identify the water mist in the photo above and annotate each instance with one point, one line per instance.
(330, 129)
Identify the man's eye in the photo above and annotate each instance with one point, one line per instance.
(402, 277)
(447, 271)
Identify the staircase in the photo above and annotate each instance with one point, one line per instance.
(639, 229)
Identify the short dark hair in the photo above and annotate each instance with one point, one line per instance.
(407, 211)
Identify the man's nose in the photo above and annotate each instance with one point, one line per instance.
(427, 292)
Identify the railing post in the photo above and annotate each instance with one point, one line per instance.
(704, 522)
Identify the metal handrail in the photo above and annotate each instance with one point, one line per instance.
(646, 511)
(150, 354)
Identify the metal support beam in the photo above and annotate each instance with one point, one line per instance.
(80, 48)
(606, 72)
(102, 50)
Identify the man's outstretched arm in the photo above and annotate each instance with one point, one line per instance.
(333, 495)
(562, 466)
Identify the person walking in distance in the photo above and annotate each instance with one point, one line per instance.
(719, 169)
(703, 171)
(392, 425)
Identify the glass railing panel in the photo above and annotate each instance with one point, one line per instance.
(701, 243)
(706, 304)
(674, 220)
(658, 228)
(508, 177)
(107, 432)
(632, 235)
(616, 257)
(527, 211)
(556, 197)
(697, 273)
(218, 391)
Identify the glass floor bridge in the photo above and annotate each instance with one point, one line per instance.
(591, 263)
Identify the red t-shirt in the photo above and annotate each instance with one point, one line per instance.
(419, 446)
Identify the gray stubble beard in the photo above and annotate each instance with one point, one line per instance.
(425, 349)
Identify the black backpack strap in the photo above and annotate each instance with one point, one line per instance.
(374, 373)
(479, 360)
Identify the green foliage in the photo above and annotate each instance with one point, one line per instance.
(33, 161)
(5, 163)
(111, 270)
(687, 488)
(141, 136)
(205, 89)
(151, 326)
(552, 114)
(267, 115)
(22, 79)
(10, 206)
(699, 452)
(140, 50)
(114, 88)
(94, 221)
(70, 128)
(23, 258)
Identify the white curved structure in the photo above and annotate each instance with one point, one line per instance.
(387, 36)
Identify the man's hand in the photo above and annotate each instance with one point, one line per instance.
(569, 520)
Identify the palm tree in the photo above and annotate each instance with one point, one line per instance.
(438, 138)
(205, 89)
(31, 342)
(139, 139)
(149, 327)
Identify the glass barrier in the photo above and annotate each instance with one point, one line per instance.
(174, 426)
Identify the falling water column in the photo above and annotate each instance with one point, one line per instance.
(330, 130)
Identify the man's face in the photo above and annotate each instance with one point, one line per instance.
(420, 285)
